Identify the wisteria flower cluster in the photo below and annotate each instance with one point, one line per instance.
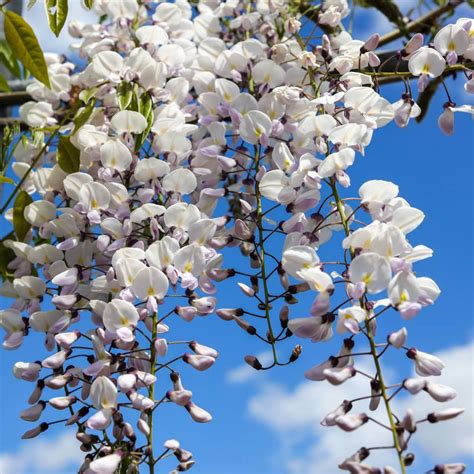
(193, 128)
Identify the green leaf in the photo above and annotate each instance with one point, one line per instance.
(25, 46)
(56, 10)
(145, 107)
(88, 4)
(87, 94)
(31, 4)
(6, 256)
(68, 155)
(83, 117)
(4, 87)
(124, 95)
(20, 225)
(8, 60)
(5, 179)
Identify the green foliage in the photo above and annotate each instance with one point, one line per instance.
(20, 224)
(8, 59)
(83, 116)
(25, 46)
(145, 107)
(56, 11)
(6, 179)
(4, 87)
(6, 256)
(124, 94)
(68, 155)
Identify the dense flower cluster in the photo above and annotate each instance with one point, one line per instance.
(191, 125)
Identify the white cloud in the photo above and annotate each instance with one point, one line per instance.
(458, 433)
(44, 455)
(306, 446)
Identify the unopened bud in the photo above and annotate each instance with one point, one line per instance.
(456, 468)
(398, 339)
(228, 314)
(371, 43)
(444, 415)
(351, 422)
(414, 43)
(253, 362)
(35, 431)
(295, 353)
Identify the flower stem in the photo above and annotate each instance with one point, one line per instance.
(151, 394)
(261, 255)
(370, 336)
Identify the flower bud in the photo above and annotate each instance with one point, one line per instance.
(284, 313)
(60, 403)
(199, 362)
(253, 362)
(398, 339)
(351, 422)
(342, 409)
(371, 43)
(198, 414)
(425, 364)
(414, 385)
(55, 361)
(186, 312)
(408, 422)
(444, 415)
(439, 392)
(246, 290)
(413, 44)
(219, 274)
(184, 466)
(161, 346)
(107, 464)
(36, 394)
(33, 413)
(83, 411)
(66, 339)
(204, 305)
(336, 376)
(143, 426)
(446, 121)
(28, 371)
(375, 393)
(99, 420)
(35, 431)
(317, 373)
(126, 382)
(242, 230)
(171, 444)
(456, 468)
(229, 314)
(68, 277)
(180, 397)
(201, 349)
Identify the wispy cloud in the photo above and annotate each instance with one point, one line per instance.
(44, 455)
(295, 415)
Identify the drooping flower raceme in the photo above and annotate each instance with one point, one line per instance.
(195, 127)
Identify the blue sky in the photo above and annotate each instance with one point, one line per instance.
(268, 422)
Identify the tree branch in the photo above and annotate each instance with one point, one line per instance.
(420, 25)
